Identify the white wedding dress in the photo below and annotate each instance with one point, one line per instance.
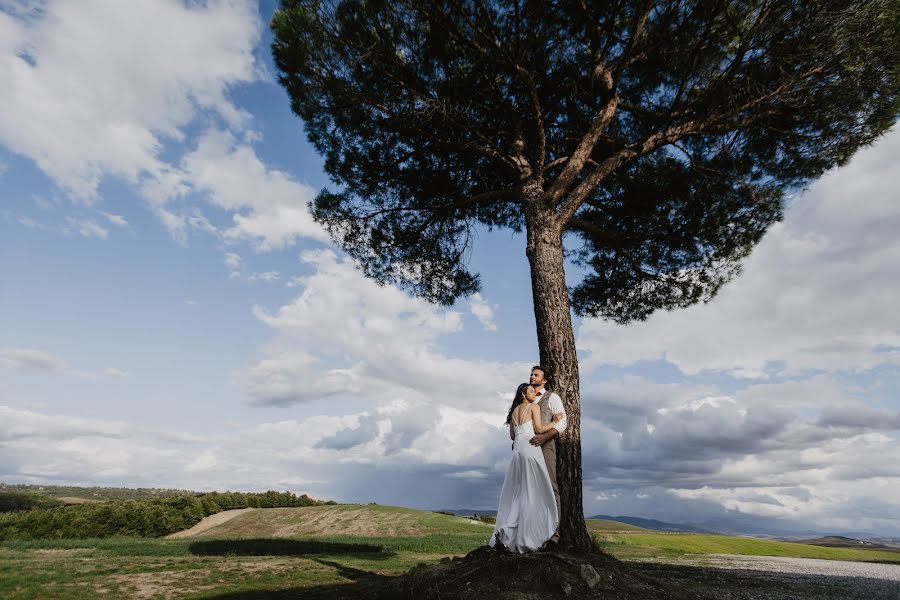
(526, 516)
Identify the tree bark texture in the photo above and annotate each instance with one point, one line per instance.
(556, 341)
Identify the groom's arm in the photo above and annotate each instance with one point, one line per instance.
(556, 406)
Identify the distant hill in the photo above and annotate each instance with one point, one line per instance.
(839, 541)
(893, 542)
(76, 494)
(654, 524)
(608, 526)
(744, 524)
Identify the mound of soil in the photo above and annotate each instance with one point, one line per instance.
(488, 573)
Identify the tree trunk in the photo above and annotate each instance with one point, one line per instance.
(556, 341)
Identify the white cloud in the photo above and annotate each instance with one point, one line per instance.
(268, 206)
(42, 202)
(19, 424)
(265, 276)
(802, 450)
(117, 220)
(100, 92)
(93, 89)
(281, 454)
(232, 260)
(483, 311)
(29, 222)
(28, 359)
(86, 228)
(344, 327)
(819, 292)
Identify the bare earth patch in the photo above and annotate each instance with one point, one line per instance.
(75, 500)
(142, 586)
(210, 522)
(305, 521)
(177, 584)
(61, 551)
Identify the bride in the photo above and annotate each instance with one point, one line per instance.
(526, 516)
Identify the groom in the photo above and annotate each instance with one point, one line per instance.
(550, 404)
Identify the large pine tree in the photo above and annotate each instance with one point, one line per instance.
(661, 134)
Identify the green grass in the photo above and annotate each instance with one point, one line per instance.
(192, 568)
(377, 540)
(631, 546)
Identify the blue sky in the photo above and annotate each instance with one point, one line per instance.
(171, 316)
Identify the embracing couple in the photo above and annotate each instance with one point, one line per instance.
(528, 514)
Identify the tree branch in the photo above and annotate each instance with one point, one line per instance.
(555, 162)
(617, 64)
(577, 160)
(537, 120)
(609, 76)
(510, 193)
(721, 123)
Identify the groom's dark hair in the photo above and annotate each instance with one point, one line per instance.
(548, 376)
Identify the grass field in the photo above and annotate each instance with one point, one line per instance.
(296, 551)
(207, 568)
(656, 545)
(261, 551)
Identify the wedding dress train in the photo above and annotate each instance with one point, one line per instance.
(526, 516)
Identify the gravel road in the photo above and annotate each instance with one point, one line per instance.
(777, 578)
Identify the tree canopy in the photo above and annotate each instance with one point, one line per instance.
(664, 135)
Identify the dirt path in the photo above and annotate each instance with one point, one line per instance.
(714, 577)
(208, 523)
(798, 566)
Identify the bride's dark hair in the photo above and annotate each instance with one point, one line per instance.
(520, 391)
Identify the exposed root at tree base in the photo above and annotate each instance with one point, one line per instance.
(487, 573)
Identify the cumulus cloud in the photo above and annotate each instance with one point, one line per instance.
(98, 92)
(95, 89)
(483, 311)
(269, 208)
(364, 331)
(818, 293)
(366, 430)
(310, 455)
(798, 451)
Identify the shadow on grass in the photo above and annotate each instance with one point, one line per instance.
(285, 547)
(363, 585)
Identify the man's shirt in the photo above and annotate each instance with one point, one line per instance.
(556, 407)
